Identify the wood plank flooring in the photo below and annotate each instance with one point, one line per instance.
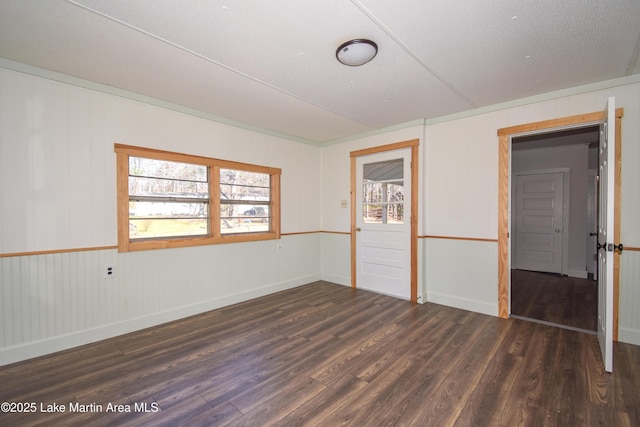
(556, 299)
(326, 355)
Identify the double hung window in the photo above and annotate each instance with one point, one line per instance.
(170, 199)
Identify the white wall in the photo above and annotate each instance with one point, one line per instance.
(460, 196)
(460, 201)
(575, 158)
(58, 193)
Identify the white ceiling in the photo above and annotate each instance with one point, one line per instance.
(271, 64)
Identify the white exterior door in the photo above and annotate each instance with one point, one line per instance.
(383, 226)
(606, 234)
(539, 222)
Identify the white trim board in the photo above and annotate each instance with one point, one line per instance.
(579, 274)
(463, 303)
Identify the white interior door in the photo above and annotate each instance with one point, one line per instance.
(606, 234)
(539, 222)
(383, 223)
(592, 223)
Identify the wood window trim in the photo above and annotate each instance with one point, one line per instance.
(122, 171)
(504, 139)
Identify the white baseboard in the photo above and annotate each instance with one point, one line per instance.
(579, 274)
(462, 303)
(629, 336)
(63, 342)
(340, 280)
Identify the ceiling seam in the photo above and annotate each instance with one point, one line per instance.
(127, 94)
(226, 67)
(634, 58)
(406, 48)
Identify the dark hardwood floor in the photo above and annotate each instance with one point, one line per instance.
(556, 299)
(323, 354)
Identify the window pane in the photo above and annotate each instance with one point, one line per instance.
(375, 192)
(229, 210)
(371, 214)
(239, 177)
(244, 202)
(144, 228)
(240, 225)
(385, 213)
(243, 185)
(164, 169)
(235, 218)
(160, 194)
(241, 192)
(167, 219)
(167, 188)
(167, 210)
(253, 212)
(395, 213)
(383, 202)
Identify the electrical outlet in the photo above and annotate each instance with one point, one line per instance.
(343, 204)
(109, 272)
(279, 248)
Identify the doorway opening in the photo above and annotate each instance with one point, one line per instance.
(553, 224)
(609, 161)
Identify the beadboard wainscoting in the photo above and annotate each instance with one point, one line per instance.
(336, 258)
(462, 273)
(55, 301)
(628, 314)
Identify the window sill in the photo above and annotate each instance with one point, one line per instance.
(146, 245)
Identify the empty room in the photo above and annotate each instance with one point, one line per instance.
(319, 213)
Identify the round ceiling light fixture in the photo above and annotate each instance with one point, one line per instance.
(356, 52)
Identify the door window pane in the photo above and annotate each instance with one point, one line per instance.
(383, 192)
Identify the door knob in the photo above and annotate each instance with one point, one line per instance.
(358, 229)
(557, 230)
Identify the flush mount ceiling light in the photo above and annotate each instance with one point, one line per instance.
(356, 52)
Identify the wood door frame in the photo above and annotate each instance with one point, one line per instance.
(504, 159)
(413, 144)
